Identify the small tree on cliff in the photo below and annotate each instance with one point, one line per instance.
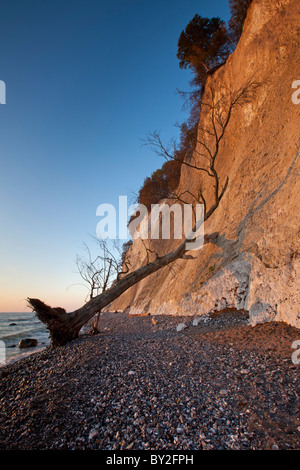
(203, 45)
(218, 114)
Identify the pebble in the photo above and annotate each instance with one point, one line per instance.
(181, 327)
(93, 434)
(140, 385)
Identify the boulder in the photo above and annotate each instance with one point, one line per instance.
(28, 343)
(3, 373)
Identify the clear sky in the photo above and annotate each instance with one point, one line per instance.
(86, 80)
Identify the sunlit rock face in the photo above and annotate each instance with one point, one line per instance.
(254, 263)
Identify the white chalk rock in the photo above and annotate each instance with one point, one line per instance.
(181, 326)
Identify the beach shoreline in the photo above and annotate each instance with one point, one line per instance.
(15, 327)
(142, 385)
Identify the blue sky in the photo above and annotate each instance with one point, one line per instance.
(86, 80)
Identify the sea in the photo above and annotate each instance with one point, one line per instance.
(15, 326)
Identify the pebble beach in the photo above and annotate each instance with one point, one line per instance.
(142, 385)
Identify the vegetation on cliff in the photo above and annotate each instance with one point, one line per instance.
(203, 46)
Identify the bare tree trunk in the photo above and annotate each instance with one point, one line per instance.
(64, 327)
(95, 328)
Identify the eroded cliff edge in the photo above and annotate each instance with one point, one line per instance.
(254, 263)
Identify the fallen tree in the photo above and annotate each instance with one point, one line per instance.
(64, 327)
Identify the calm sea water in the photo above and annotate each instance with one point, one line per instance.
(14, 327)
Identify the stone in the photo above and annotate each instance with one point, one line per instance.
(93, 434)
(28, 343)
(181, 326)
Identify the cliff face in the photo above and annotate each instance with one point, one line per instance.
(254, 263)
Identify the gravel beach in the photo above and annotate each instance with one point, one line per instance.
(142, 385)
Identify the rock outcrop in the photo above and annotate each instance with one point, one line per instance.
(254, 262)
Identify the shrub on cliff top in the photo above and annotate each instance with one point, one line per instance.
(203, 45)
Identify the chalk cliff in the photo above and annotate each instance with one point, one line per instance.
(254, 262)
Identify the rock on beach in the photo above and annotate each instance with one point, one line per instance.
(28, 343)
